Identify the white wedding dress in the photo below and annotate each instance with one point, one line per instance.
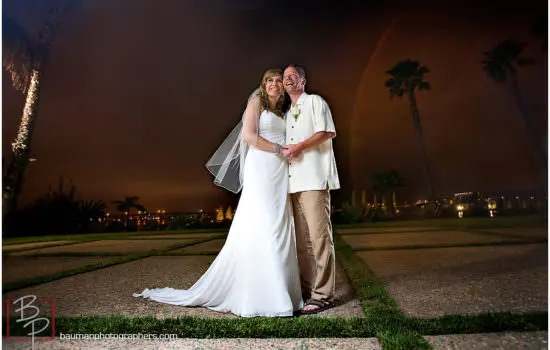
(256, 272)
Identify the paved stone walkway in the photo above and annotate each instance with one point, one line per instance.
(484, 341)
(210, 344)
(464, 280)
(9, 247)
(426, 282)
(16, 268)
(430, 238)
(114, 246)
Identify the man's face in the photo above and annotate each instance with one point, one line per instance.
(292, 82)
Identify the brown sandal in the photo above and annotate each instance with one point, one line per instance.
(322, 305)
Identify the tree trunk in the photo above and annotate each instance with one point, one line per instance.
(420, 139)
(13, 178)
(127, 220)
(529, 128)
(393, 205)
(21, 146)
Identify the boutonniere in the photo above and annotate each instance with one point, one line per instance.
(295, 111)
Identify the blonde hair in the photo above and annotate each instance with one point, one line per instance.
(264, 100)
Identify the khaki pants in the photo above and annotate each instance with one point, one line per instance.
(314, 243)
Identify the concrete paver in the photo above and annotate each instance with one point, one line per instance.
(110, 246)
(483, 341)
(422, 238)
(109, 291)
(211, 344)
(464, 280)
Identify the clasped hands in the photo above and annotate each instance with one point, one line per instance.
(291, 151)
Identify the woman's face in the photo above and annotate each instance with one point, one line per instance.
(274, 86)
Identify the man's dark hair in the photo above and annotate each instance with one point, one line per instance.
(299, 69)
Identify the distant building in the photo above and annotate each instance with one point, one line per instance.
(229, 213)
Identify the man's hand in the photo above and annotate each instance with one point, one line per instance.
(292, 151)
(285, 151)
(295, 150)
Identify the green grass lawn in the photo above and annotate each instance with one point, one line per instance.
(84, 237)
(447, 223)
(118, 259)
(383, 317)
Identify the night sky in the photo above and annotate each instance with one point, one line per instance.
(139, 94)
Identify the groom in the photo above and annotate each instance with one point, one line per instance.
(312, 173)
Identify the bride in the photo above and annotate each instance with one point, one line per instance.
(256, 272)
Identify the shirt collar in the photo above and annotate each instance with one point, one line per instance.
(301, 98)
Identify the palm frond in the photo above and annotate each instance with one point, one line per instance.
(132, 199)
(423, 70)
(52, 23)
(396, 92)
(122, 207)
(386, 180)
(501, 61)
(17, 54)
(497, 72)
(390, 83)
(406, 75)
(394, 87)
(128, 203)
(424, 85)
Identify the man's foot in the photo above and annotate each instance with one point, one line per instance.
(314, 306)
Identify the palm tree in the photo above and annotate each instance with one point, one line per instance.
(24, 60)
(89, 210)
(406, 77)
(126, 205)
(384, 182)
(501, 64)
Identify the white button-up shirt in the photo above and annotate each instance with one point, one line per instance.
(315, 169)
